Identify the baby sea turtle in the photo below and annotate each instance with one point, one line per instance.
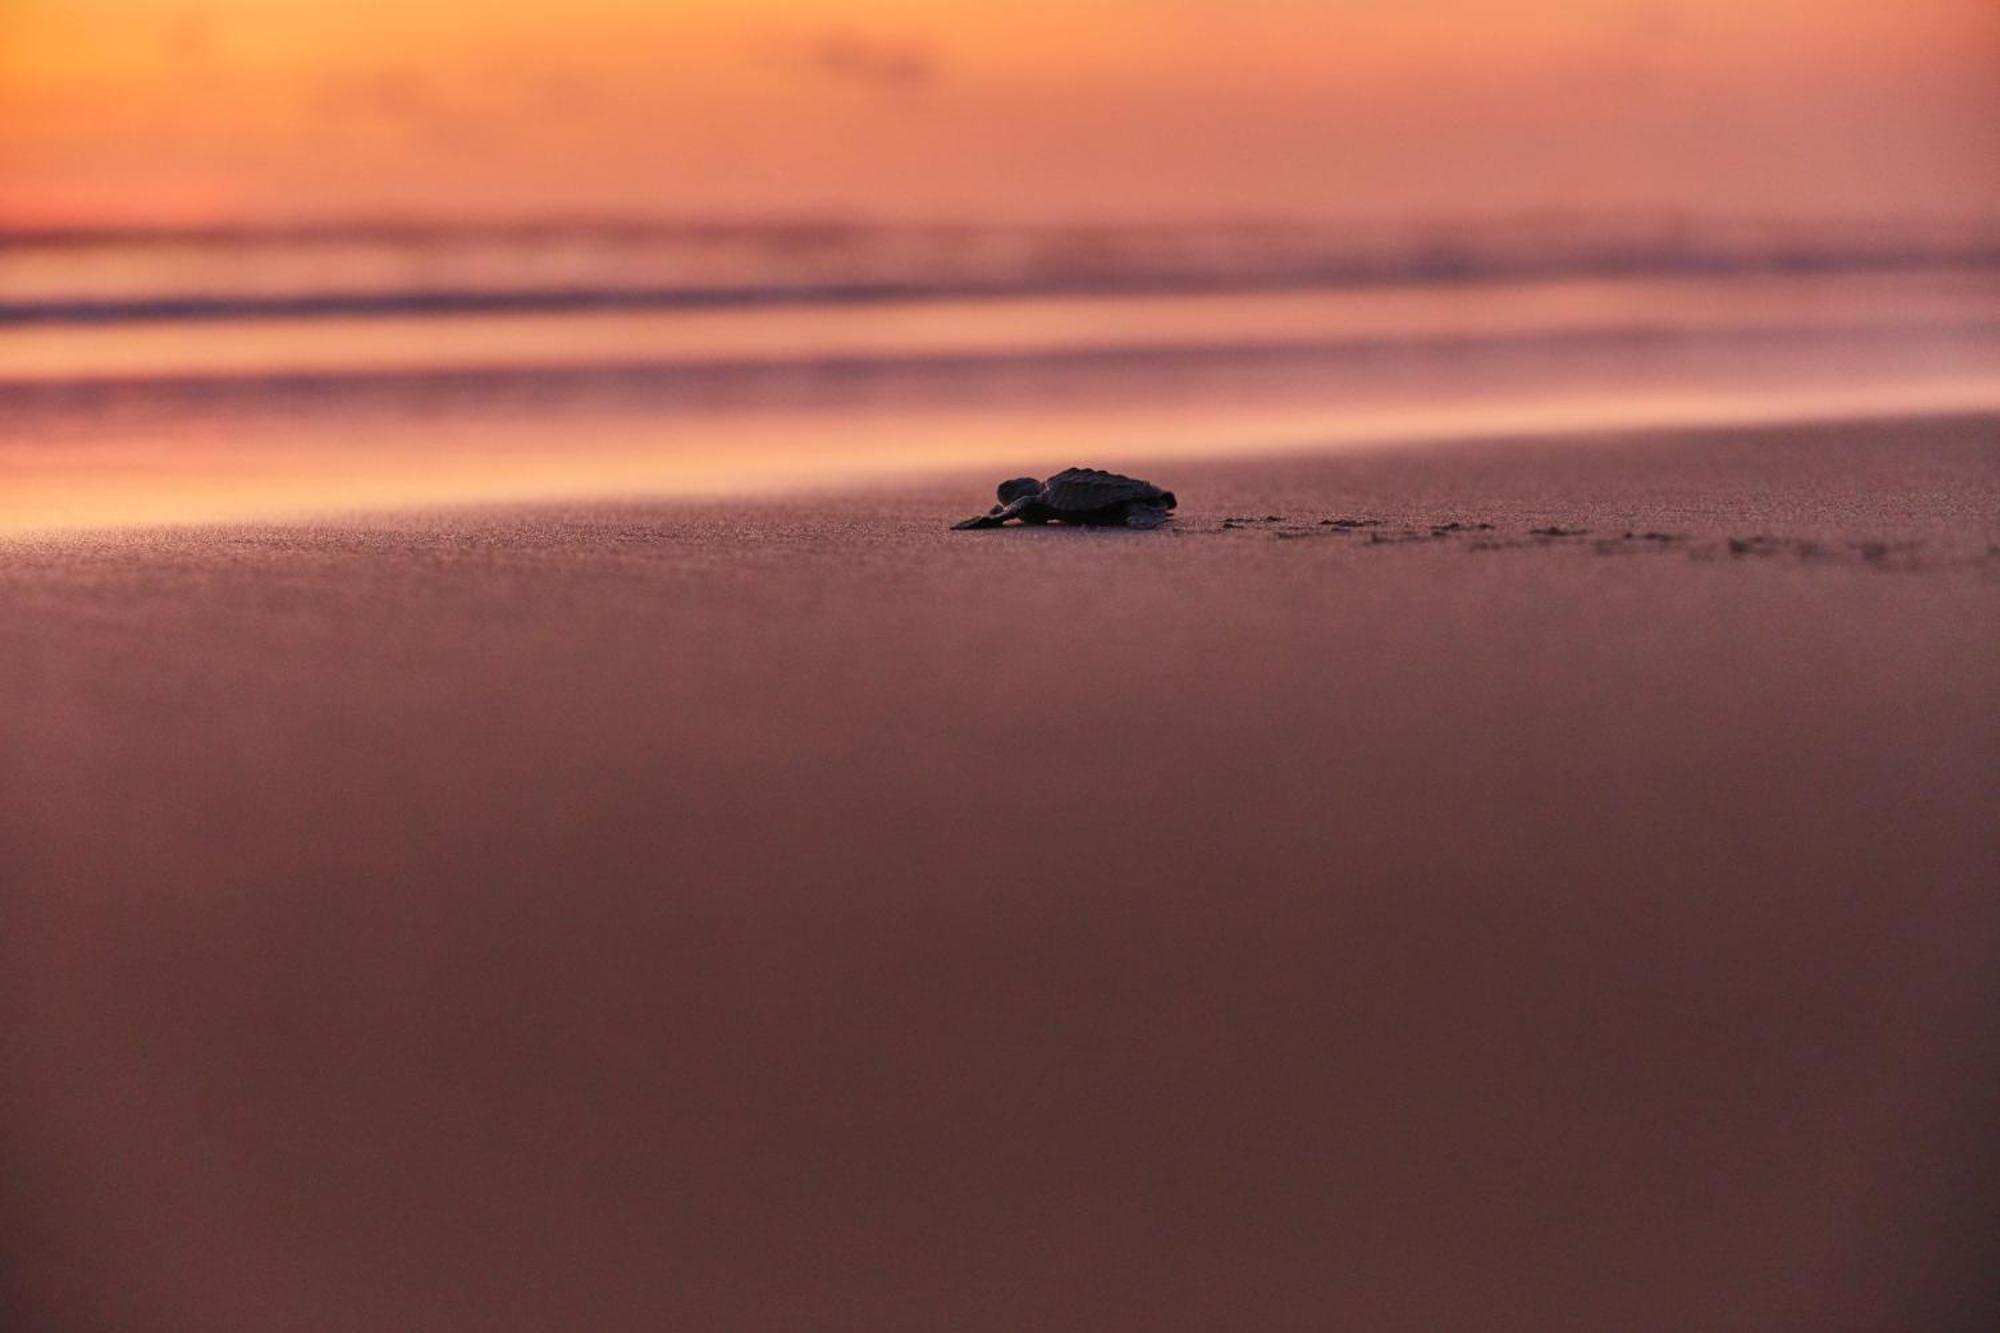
(1079, 495)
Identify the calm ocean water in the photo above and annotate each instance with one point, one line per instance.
(195, 375)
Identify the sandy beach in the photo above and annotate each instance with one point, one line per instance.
(1516, 885)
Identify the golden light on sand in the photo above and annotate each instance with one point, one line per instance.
(171, 110)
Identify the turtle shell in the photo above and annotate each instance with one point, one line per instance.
(1085, 490)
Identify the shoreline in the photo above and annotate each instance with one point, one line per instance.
(890, 475)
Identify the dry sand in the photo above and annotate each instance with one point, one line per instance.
(801, 916)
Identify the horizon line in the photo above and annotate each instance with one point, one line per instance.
(420, 225)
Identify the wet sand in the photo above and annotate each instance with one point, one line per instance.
(798, 915)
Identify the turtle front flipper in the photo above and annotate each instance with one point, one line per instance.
(997, 517)
(1146, 516)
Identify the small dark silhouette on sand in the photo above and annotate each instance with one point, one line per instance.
(1079, 495)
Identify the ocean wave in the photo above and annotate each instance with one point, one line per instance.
(335, 273)
(963, 377)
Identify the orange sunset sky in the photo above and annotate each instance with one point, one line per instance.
(221, 110)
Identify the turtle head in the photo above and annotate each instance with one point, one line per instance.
(1020, 488)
